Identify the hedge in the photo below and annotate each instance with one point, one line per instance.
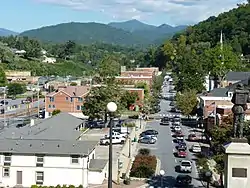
(58, 186)
(143, 166)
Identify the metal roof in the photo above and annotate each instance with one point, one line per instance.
(97, 164)
(30, 146)
(60, 127)
(237, 76)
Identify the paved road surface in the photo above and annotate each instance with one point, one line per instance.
(164, 149)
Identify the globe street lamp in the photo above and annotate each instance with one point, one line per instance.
(162, 173)
(111, 107)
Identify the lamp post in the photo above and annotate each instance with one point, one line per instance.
(208, 175)
(111, 107)
(162, 173)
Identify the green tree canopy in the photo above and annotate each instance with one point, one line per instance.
(128, 98)
(187, 102)
(16, 89)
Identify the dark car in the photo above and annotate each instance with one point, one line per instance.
(182, 145)
(2, 102)
(183, 180)
(151, 131)
(172, 103)
(164, 121)
(173, 110)
(95, 124)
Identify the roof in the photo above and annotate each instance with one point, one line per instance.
(97, 164)
(218, 92)
(237, 76)
(26, 146)
(59, 127)
(133, 89)
(73, 91)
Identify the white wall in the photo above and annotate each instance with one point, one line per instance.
(57, 170)
(97, 177)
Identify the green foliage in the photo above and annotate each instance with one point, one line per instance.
(143, 166)
(128, 98)
(129, 124)
(144, 151)
(58, 186)
(109, 67)
(55, 112)
(3, 79)
(98, 98)
(144, 86)
(16, 89)
(187, 102)
(73, 84)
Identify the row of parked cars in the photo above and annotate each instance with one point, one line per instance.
(148, 137)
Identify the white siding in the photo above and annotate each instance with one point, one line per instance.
(57, 170)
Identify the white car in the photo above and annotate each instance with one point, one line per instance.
(196, 148)
(115, 140)
(177, 128)
(186, 166)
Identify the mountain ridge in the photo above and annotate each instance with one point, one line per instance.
(6, 32)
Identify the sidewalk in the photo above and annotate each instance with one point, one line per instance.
(124, 154)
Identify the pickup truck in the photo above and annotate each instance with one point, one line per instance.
(117, 134)
(115, 140)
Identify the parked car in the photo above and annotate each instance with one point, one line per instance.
(180, 136)
(182, 145)
(183, 181)
(4, 102)
(115, 140)
(114, 133)
(177, 128)
(164, 121)
(147, 140)
(186, 166)
(95, 124)
(172, 103)
(196, 148)
(173, 109)
(151, 131)
(148, 135)
(193, 137)
(181, 153)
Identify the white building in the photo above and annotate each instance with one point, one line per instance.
(49, 60)
(49, 153)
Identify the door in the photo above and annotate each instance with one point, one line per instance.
(19, 177)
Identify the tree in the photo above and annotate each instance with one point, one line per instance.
(187, 102)
(16, 89)
(3, 79)
(98, 98)
(55, 112)
(127, 98)
(144, 86)
(73, 84)
(109, 67)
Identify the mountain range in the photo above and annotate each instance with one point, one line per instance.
(128, 33)
(6, 32)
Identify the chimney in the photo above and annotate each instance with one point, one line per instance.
(32, 122)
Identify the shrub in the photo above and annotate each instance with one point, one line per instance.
(129, 124)
(144, 151)
(143, 166)
(126, 181)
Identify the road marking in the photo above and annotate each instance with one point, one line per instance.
(175, 160)
(172, 142)
(173, 150)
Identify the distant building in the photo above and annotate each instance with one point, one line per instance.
(49, 60)
(67, 99)
(132, 80)
(20, 76)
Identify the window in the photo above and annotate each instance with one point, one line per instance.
(6, 172)
(7, 160)
(49, 106)
(75, 159)
(71, 99)
(39, 178)
(67, 98)
(39, 161)
(51, 99)
(239, 172)
(80, 99)
(78, 107)
(53, 106)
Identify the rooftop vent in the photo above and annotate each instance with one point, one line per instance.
(30, 145)
(11, 149)
(17, 143)
(42, 144)
(58, 145)
(73, 145)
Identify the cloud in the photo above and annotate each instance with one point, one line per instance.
(176, 11)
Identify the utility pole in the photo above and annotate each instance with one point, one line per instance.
(4, 111)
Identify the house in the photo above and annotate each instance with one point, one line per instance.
(66, 99)
(49, 59)
(51, 152)
(45, 162)
(20, 76)
(235, 77)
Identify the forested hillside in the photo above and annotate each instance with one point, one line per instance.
(234, 24)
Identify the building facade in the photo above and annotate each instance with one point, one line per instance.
(66, 99)
(42, 162)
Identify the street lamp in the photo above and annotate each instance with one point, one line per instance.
(111, 107)
(162, 173)
(208, 176)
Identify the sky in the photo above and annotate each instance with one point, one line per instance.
(21, 15)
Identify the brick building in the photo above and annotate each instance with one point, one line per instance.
(137, 73)
(140, 93)
(154, 70)
(67, 99)
(132, 80)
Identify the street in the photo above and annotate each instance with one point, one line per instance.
(165, 149)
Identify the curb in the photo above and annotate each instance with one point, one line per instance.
(158, 166)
